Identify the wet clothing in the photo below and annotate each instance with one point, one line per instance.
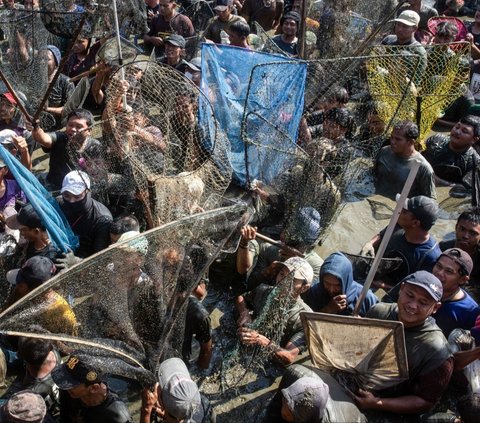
(430, 362)
(339, 407)
(181, 66)
(90, 221)
(391, 172)
(414, 256)
(215, 26)
(442, 159)
(63, 158)
(293, 332)
(263, 12)
(339, 266)
(76, 66)
(457, 314)
(197, 323)
(290, 48)
(112, 410)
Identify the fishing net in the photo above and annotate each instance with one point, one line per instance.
(157, 151)
(439, 78)
(199, 12)
(370, 354)
(126, 305)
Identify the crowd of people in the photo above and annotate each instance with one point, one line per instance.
(434, 291)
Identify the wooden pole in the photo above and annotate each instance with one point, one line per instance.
(303, 29)
(15, 96)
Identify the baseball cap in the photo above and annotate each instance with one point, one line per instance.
(76, 371)
(428, 282)
(24, 406)
(180, 394)
(294, 16)
(176, 40)
(306, 398)
(408, 17)
(75, 182)
(8, 95)
(34, 272)
(300, 267)
(6, 136)
(197, 62)
(135, 243)
(55, 51)
(222, 5)
(424, 208)
(27, 216)
(462, 258)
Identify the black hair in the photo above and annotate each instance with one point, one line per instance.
(294, 16)
(342, 117)
(82, 114)
(34, 351)
(409, 128)
(447, 29)
(124, 224)
(471, 215)
(240, 28)
(473, 121)
(469, 408)
(338, 93)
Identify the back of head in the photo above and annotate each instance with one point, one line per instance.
(409, 129)
(124, 224)
(24, 406)
(34, 351)
(240, 28)
(447, 30)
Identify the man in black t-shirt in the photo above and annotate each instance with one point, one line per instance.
(85, 397)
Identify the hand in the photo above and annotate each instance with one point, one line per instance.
(251, 337)
(337, 304)
(469, 37)
(249, 233)
(67, 260)
(150, 401)
(156, 41)
(20, 144)
(366, 400)
(368, 250)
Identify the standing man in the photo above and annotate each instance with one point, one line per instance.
(395, 161)
(222, 22)
(452, 156)
(287, 40)
(266, 13)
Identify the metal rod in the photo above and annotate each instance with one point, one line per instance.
(387, 235)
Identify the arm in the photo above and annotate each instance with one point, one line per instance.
(149, 404)
(369, 248)
(407, 404)
(22, 147)
(44, 139)
(243, 311)
(464, 358)
(244, 255)
(278, 15)
(205, 355)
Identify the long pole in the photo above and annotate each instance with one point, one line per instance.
(387, 235)
(119, 47)
(15, 96)
(303, 30)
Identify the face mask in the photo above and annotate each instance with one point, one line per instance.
(78, 207)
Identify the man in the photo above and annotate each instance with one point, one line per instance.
(266, 13)
(63, 88)
(153, 7)
(53, 312)
(84, 395)
(197, 323)
(17, 146)
(467, 238)
(89, 219)
(122, 225)
(167, 22)
(337, 292)
(70, 149)
(453, 157)
(430, 363)
(176, 397)
(174, 47)
(411, 241)
(406, 24)
(287, 40)
(25, 406)
(34, 232)
(459, 309)
(238, 34)
(424, 12)
(292, 339)
(222, 22)
(394, 162)
(10, 115)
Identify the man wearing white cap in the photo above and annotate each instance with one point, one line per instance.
(292, 339)
(89, 219)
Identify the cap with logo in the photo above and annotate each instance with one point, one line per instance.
(75, 182)
(176, 40)
(301, 269)
(428, 282)
(180, 394)
(27, 216)
(307, 398)
(35, 271)
(408, 17)
(425, 209)
(75, 372)
(24, 406)
(462, 258)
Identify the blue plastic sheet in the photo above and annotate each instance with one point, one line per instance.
(44, 204)
(257, 100)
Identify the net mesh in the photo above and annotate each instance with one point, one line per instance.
(127, 303)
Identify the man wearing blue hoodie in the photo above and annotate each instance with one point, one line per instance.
(337, 292)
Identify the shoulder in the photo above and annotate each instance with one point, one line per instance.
(116, 410)
(383, 311)
(437, 141)
(389, 40)
(102, 211)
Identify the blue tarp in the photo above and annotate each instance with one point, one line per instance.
(44, 204)
(256, 97)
